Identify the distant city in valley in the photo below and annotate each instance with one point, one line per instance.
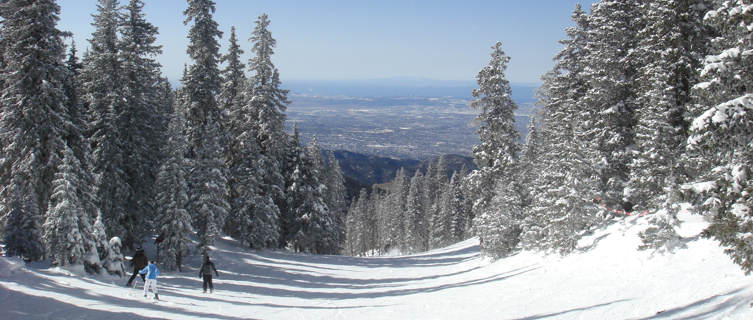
(400, 119)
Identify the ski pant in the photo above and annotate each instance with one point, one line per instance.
(150, 283)
(133, 276)
(208, 282)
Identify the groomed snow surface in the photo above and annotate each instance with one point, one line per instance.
(608, 279)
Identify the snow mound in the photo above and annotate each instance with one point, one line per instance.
(9, 266)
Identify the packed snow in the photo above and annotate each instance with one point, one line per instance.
(607, 278)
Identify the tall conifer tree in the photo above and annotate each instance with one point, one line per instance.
(102, 81)
(207, 181)
(33, 120)
(266, 103)
(496, 157)
(720, 142)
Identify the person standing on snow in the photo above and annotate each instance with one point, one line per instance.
(206, 272)
(139, 261)
(151, 272)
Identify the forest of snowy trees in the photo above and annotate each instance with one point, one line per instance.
(101, 153)
(410, 214)
(646, 110)
(649, 106)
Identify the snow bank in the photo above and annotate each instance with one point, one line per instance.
(606, 278)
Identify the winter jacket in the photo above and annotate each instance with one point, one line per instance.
(151, 271)
(139, 260)
(207, 268)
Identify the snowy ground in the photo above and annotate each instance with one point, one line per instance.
(612, 280)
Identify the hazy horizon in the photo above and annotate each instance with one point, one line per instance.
(355, 41)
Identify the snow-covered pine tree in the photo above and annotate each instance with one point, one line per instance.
(565, 183)
(441, 233)
(293, 160)
(496, 157)
(241, 149)
(100, 240)
(392, 215)
(202, 78)
(267, 102)
(115, 260)
(673, 43)
(371, 225)
(32, 122)
(142, 131)
(208, 187)
(173, 219)
(68, 227)
(76, 129)
(431, 194)
(416, 231)
(233, 79)
(611, 99)
(529, 156)
(207, 181)
(254, 217)
(102, 82)
(356, 224)
(336, 194)
(459, 216)
(720, 136)
(315, 230)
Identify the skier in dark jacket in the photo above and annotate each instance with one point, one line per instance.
(139, 261)
(205, 272)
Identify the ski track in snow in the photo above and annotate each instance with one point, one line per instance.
(611, 280)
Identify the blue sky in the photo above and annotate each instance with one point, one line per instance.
(343, 40)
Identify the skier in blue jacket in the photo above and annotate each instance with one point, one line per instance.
(151, 272)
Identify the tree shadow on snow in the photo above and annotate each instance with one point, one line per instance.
(542, 316)
(363, 288)
(42, 307)
(705, 308)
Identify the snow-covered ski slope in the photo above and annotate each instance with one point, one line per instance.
(610, 280)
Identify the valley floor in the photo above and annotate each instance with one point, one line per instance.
(610, 280)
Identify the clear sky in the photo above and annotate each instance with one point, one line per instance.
(354, 39)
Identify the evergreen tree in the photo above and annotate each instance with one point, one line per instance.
(172, 200)
(208, 187)
(455, 208)
(355, 243)
(115, 260)
(720, 136)
(673, 42)
(315, 226)
(103, 245)
(207, 181)
(68, 228)
(336, 194)
(266, 102)
(529, 157)
(32, 122)
(496, 157)
(202, 79)
(441, 224)
(416, 230)
(611, 99)
(142, 118)
(102, 81)
(233, 79)
(254, 216)
(565, 183)
(392, 212)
